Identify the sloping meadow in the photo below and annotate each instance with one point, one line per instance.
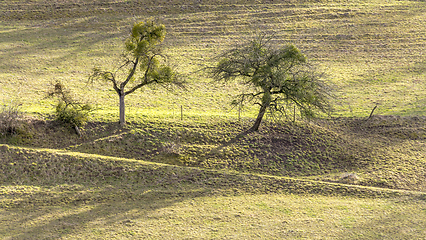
(183, 167)
(65, 177)
(382, 151)
(373, 52)
(51, 193)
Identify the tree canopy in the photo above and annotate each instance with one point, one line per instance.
(279, 78)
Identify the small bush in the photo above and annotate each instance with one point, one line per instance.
(75, 115)
(10, 115)
(68, 110)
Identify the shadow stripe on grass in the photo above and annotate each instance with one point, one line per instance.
(47, 168)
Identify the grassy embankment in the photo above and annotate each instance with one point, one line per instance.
(372, 51)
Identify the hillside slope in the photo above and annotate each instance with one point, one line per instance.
(372, 51)
(47, 194)
(182, 168)
(384, 151)
(48, 168)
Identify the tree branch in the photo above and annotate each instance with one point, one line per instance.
(137, 87)
(105, 75)
(148, 67)
(131, 74)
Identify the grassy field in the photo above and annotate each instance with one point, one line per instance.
(343, 177)
(373, 51)
(50, 194)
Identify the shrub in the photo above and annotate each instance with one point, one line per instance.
(73, 114)
(10, 115)
(68, 110)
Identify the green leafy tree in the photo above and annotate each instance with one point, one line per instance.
(279, 78)
(143, 63)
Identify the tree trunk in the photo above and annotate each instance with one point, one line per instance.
(77, 130)
(259, 118)
(122, 110)
(266, 101)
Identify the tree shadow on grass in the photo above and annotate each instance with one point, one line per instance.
(233, 140)
(151, 213)
(399, 221)
(87, 215)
